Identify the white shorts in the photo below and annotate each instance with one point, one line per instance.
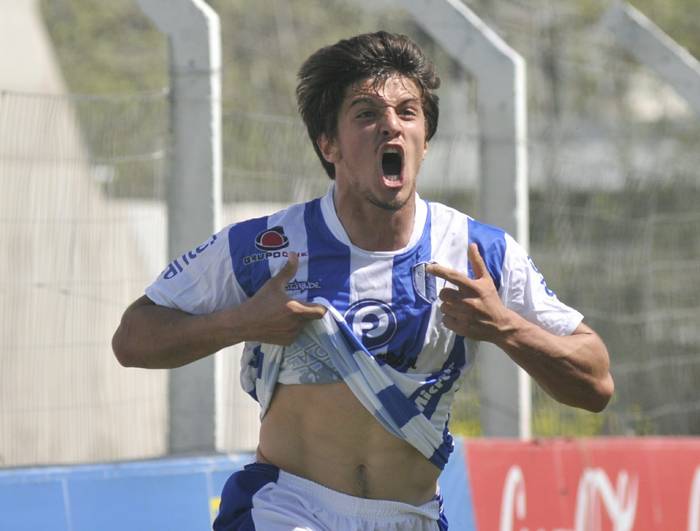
(263, 497)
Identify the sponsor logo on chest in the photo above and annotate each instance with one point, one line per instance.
(271, 244)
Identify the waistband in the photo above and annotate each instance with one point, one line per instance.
(346, 504)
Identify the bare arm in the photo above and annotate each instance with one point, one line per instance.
(157, 337)
(572, 369)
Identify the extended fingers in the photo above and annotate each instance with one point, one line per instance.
(450, 275)
(456, 303)
(453, 296)
(477, 262)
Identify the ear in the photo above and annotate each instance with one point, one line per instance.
(425, 150)
(329, 149)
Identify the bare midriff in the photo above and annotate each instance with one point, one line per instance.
(321, 432)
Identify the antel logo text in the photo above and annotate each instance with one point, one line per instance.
(176, 266)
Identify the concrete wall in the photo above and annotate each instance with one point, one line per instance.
(69, 267)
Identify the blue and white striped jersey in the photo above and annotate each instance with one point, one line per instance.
(383, 335)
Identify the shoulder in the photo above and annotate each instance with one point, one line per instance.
(445, 216)
(267, 232)
(481, 233)
(486, 235)
(259, 247)
(458, 230)
(493, 243)
(478, 231)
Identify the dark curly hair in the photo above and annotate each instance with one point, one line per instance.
(326, 75)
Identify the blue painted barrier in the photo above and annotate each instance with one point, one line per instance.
(167, 494)
(176, 494)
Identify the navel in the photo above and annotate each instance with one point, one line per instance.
(361, 481)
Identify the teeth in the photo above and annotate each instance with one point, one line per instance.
(391, 150)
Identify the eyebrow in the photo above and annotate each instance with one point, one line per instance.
(359, 100)
(363, 99)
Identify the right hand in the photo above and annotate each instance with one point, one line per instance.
(271, 316)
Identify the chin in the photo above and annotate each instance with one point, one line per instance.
(392, 205)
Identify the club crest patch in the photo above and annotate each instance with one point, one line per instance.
(271, 239)
(424, 283)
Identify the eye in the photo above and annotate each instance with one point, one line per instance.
(410, 112)
(366, 114)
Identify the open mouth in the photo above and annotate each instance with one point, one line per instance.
(391, 163)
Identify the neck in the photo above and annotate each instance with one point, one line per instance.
(373, 228)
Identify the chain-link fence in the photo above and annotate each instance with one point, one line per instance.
(74, 257)
(614, 223)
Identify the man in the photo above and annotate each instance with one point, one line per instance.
(360, 312)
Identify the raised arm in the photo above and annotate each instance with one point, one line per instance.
(156, 337)
(573, 369)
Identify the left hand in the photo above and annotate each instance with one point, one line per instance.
(473, 309)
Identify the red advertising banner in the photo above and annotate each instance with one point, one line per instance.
(616, 484)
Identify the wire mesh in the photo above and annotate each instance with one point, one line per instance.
(74, 257)
(614, 224)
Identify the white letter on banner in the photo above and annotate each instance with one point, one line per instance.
(694, 503)
(621, 506)
(513, 498)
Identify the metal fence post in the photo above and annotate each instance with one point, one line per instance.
(655, 49)
(193, 188)
(500, 75)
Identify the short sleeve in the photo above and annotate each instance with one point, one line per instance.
(525, 291)
(201, 280)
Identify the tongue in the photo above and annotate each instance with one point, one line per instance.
(391, 164)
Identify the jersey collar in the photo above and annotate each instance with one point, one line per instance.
(330, 216)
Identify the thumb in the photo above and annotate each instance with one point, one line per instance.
(308, 311)
(288, 270)
(477, 262)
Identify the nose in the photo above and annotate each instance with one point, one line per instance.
(390, 125)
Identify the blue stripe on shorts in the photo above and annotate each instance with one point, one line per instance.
(237, 496)
(442, 521)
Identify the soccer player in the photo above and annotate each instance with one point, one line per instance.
(360, 311)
